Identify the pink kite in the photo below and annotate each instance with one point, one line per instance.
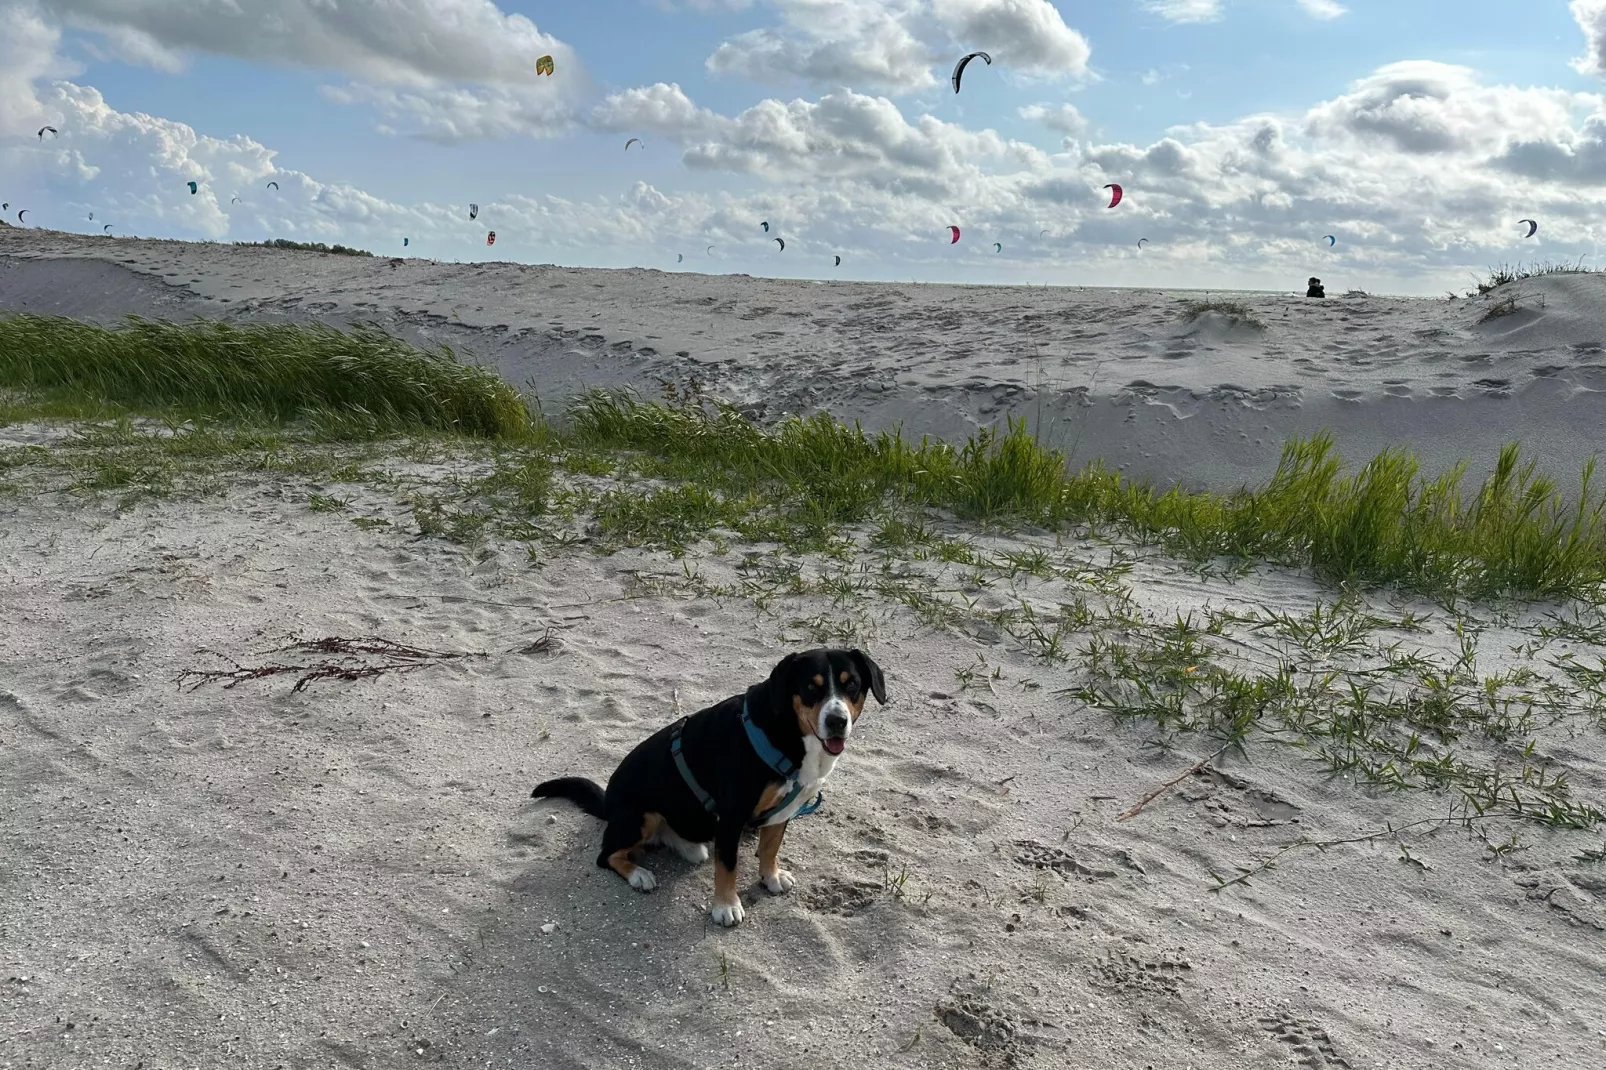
(1115, 198)
(490, 239)
(954, 232)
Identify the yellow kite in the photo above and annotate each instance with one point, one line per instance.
(544, 65)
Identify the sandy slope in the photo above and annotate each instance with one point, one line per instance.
(353, 875)
(1114, 373)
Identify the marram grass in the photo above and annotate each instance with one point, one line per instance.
(275, 371)
(1381, 524)
(805, 481)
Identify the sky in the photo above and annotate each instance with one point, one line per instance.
(1416, 132)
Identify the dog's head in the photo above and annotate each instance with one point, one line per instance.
(826, 689)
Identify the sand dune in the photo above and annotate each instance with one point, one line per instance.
(1118, 374)
(352, 874)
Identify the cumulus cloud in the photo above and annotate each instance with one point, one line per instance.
(1061, 118)
(440, 69)
(1591, 18)
(660, 108)
(1323, 9)
(1185, 10)
(833, 42)
(1025, 34)
(414, 41)
(894, 44)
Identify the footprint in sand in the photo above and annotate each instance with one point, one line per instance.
(1310, 1042)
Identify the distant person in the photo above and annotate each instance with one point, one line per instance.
(1315, 288)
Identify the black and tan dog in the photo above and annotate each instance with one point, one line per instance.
(756, 759)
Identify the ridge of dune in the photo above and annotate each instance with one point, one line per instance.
(1124, 375)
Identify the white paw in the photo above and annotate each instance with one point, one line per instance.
(695, 853)
(779, 883)
(728, 914)
(642, 880)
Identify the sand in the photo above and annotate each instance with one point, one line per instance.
(353, 874)
(1121, 375)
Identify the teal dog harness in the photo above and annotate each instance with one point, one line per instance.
(771, 756)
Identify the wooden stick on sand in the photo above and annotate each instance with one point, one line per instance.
(1173, 782)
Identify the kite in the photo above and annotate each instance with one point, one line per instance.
(107, 227)
(490, 239)
(234, 200)
(998, 247)
(781, 242)
(838, 262)
(193, 187)
(473, 211)
(953, 235)
(1533, 226)
(635, 141)
(405, 241)
(1330, 239)
(272, 185)
(680, 257)
(959, 68)
(1041, 233)
(5, 206)
(92, 216)
(1141, 241)
(20, 213)
(1115, 198)
(766, 227)
(47, 129)
(544, 66)
(709, 251)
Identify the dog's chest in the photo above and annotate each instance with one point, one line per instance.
(808, 780)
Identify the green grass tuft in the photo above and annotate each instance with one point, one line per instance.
(360, 377)
(1382, 524)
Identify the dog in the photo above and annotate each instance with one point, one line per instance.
(757, 759)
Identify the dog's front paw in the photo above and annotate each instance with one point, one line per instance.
(728, 914)
(642, 880)
(779, 883)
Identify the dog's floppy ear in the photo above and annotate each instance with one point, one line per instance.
(868, 668)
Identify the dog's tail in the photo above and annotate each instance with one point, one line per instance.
(586, 794)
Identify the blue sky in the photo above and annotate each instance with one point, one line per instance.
(863, 150)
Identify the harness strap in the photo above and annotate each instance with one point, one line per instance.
(685, 770)
(767, 751)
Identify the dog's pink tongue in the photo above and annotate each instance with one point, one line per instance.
(835, 746)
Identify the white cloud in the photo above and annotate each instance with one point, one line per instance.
(457, 113)
(833, 42)
(1591, 18)
(1061, 118)
(1185, 10)
(894, 45)
(1323, 9)
(1025, 35)
(660, 109)
(396, 41)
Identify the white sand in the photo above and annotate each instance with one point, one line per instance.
(354, 876)
(1117, 374)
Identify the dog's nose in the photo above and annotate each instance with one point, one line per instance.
(836, 724)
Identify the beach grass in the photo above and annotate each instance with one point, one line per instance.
(1509, 273)
(668, 473)
(1234, 311)
(306, 247)
(361, 377)
(1383, 523)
